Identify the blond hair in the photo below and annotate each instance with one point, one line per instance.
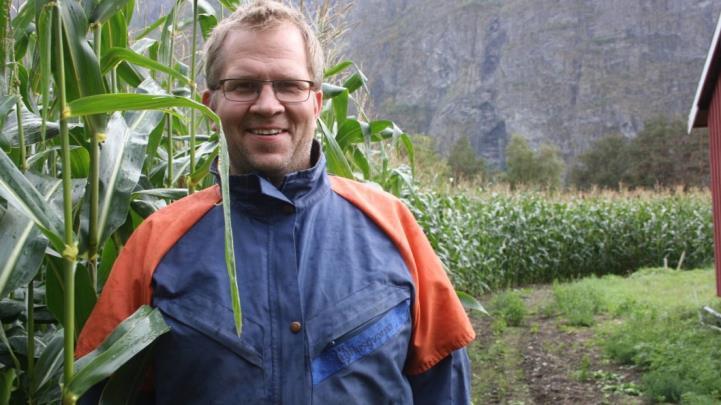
(258, 16)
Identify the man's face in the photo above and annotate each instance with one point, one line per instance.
(266, 135)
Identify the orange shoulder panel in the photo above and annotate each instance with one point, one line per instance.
(129, 284)
(440, 324)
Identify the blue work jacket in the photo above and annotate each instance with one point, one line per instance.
(327, 303)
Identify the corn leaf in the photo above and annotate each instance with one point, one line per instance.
(4, 18)
(349, 132)
(130, 337)
(360, 160)
(85, 295)
(44, 381)
(228, 230)
(83, 65)
(410, 150)
(121, 161)
(107, 103)
(164, 53)
(206, 17)
(32, 125)
(339, 67)
(6, 106)
(22, 28)
(105, 9)
(115, 33)
(124, 385)
(152, 27)
(129, 9)
(230, 4)
(21, 194)
(336, 160)
(21, 244)
(356, 81)
(45, 51)
(167, 193)
(115, 56)
(470, 303)
(340, 107)
(330, 91)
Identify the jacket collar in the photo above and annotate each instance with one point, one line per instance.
(299, 189)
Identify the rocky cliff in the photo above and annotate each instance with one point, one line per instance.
(559, 71)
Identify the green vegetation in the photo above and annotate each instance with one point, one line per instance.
(529, 168)
(659, 331)
(579, 305)
(661, 155)
(464, 162)
(648, 320)
(509, 307)
(499, 239)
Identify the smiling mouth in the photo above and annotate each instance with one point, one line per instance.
(266, 132)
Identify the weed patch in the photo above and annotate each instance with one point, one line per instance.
(579, 304)
(509, 306)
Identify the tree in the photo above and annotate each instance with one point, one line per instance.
(519, 161)
(463, 161)
(605, 164)
(529, 168)
(549, 167)
(663, 154)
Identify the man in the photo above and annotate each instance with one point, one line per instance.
(343, 299)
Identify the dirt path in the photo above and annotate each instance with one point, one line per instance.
(544, 361)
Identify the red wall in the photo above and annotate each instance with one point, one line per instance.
(714, 131)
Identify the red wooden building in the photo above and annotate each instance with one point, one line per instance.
(706, 113)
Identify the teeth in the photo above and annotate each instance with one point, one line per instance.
(266, 131)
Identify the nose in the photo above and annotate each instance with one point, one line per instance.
(267, 103)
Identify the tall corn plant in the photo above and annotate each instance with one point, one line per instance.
(99, 130)
(71, 167)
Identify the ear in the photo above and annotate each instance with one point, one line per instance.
(208, 99)
(318, 102)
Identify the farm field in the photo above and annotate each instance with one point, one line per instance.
(614, 340)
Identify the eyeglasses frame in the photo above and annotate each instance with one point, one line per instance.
(263, 82)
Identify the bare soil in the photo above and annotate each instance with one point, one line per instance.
(544, 361)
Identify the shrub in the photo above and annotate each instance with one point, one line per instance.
(509, 306)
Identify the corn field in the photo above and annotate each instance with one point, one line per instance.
(500, 240)
(100, 128)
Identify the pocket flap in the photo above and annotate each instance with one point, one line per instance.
(214, 321)
(352, 313)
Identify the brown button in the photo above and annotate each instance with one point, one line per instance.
(295, 327)
(288, 209)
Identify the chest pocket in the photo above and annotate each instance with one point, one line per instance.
(356, 327)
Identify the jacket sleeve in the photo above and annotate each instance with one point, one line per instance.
(448, 382)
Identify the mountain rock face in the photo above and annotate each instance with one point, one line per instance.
(564, 72)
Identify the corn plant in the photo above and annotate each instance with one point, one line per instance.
(101, 128)
(499, 240)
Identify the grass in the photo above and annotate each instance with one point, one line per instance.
(631, 336)
(654, 325)
(578, 304)
(498, 378)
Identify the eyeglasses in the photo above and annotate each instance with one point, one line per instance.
(248, 90)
